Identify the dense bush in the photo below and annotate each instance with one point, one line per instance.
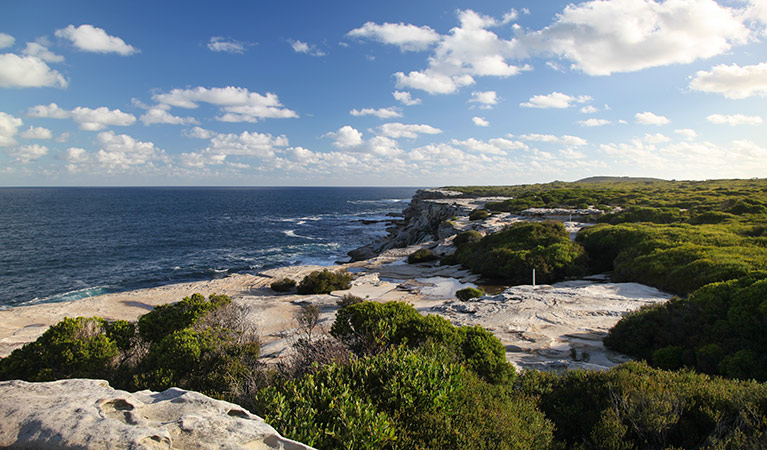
(635, 407)
(370, 327)
(403, 399)
(467, 237)
(421, 255)
(510, 255)
(171, 317)
(283, 285)
(468, 293)
(73, 348)
(645, 214)
(324, 282)
(479, 214)
(348, 300)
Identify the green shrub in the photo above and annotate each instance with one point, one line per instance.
(324, 282)
(283, 285)
(470, 236)
(468, 293)
(348, 300)
(421, 255)
(168, 318)
(73, 348)
(479, 214)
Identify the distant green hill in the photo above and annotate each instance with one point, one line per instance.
(619, 180)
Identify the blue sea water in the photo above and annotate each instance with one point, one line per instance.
(68, 243)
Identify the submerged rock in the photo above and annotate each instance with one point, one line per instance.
(89, 414)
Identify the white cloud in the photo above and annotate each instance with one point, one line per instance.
(199, 133)
(554, 100)
(648, 118)
(36, 133)
(570, 141)
(28, 153)
(160, 115)
(589, 109)
(244, 144)
(9, 126)
(93, 39)
(28, 71)
(122, 151)
(687, 133)
(237, 104)
(411, 131)
(405, 98)
(486, 98)
(303, 47)
(346, 137)
(382, 113)
(221, 44)
(86, 118)
(469, 50)
(480, 122)
(603, 37)
(657, 138)
(734, 119)
(76, 155)
(6, 40)
(498, 146)
(733, 81)
(407, 37)
(593, 122)
(42, 52)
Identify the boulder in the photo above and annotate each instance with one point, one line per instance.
(89, 414)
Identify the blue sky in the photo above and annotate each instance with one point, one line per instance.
(419, 93)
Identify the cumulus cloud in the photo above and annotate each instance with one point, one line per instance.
(237, 104)
(486, 98)
(199, 133)
(221, 44)
(733, 81)
(603, 37)
(162, 116)
(93, 39)
(734, 119)
(382, 113)
(6, 40)
(346, 137)
(36, 133)
(120, 151)
(9, 126)
(687, 133)
(497, 146)
(571, 141)
(554, 100)
(405, 36)
(480, 122)
(253, 144)
(28, 71)
(589, 109)
(86, 118)
(410, 131)
(40, 51)
(657, 138)
(593, 122)
(303, 47)
(28, 153)
(648, 118)
(76, 155)
(405, 98)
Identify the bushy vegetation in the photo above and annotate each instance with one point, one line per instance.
(421, 255)
(479, 214)
(324, 282)
(470, 236)
(283, 285)
(511, 254)
(468, 293)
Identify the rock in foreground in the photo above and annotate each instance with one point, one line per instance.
(89, 414)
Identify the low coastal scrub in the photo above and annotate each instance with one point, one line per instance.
(511, 255)
(479, 214)
(468, 293)
(466, 237)
(324, 282)
(421, 255)
(283, 285)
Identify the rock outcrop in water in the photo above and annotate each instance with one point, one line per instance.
(89, 414)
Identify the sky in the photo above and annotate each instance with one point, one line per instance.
(396, 93)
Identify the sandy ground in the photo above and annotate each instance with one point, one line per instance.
(547, 327)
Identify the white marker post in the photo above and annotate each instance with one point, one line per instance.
(533, 277)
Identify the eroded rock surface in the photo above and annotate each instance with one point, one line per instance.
(89, 414)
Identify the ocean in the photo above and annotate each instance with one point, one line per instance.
(59, 244)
